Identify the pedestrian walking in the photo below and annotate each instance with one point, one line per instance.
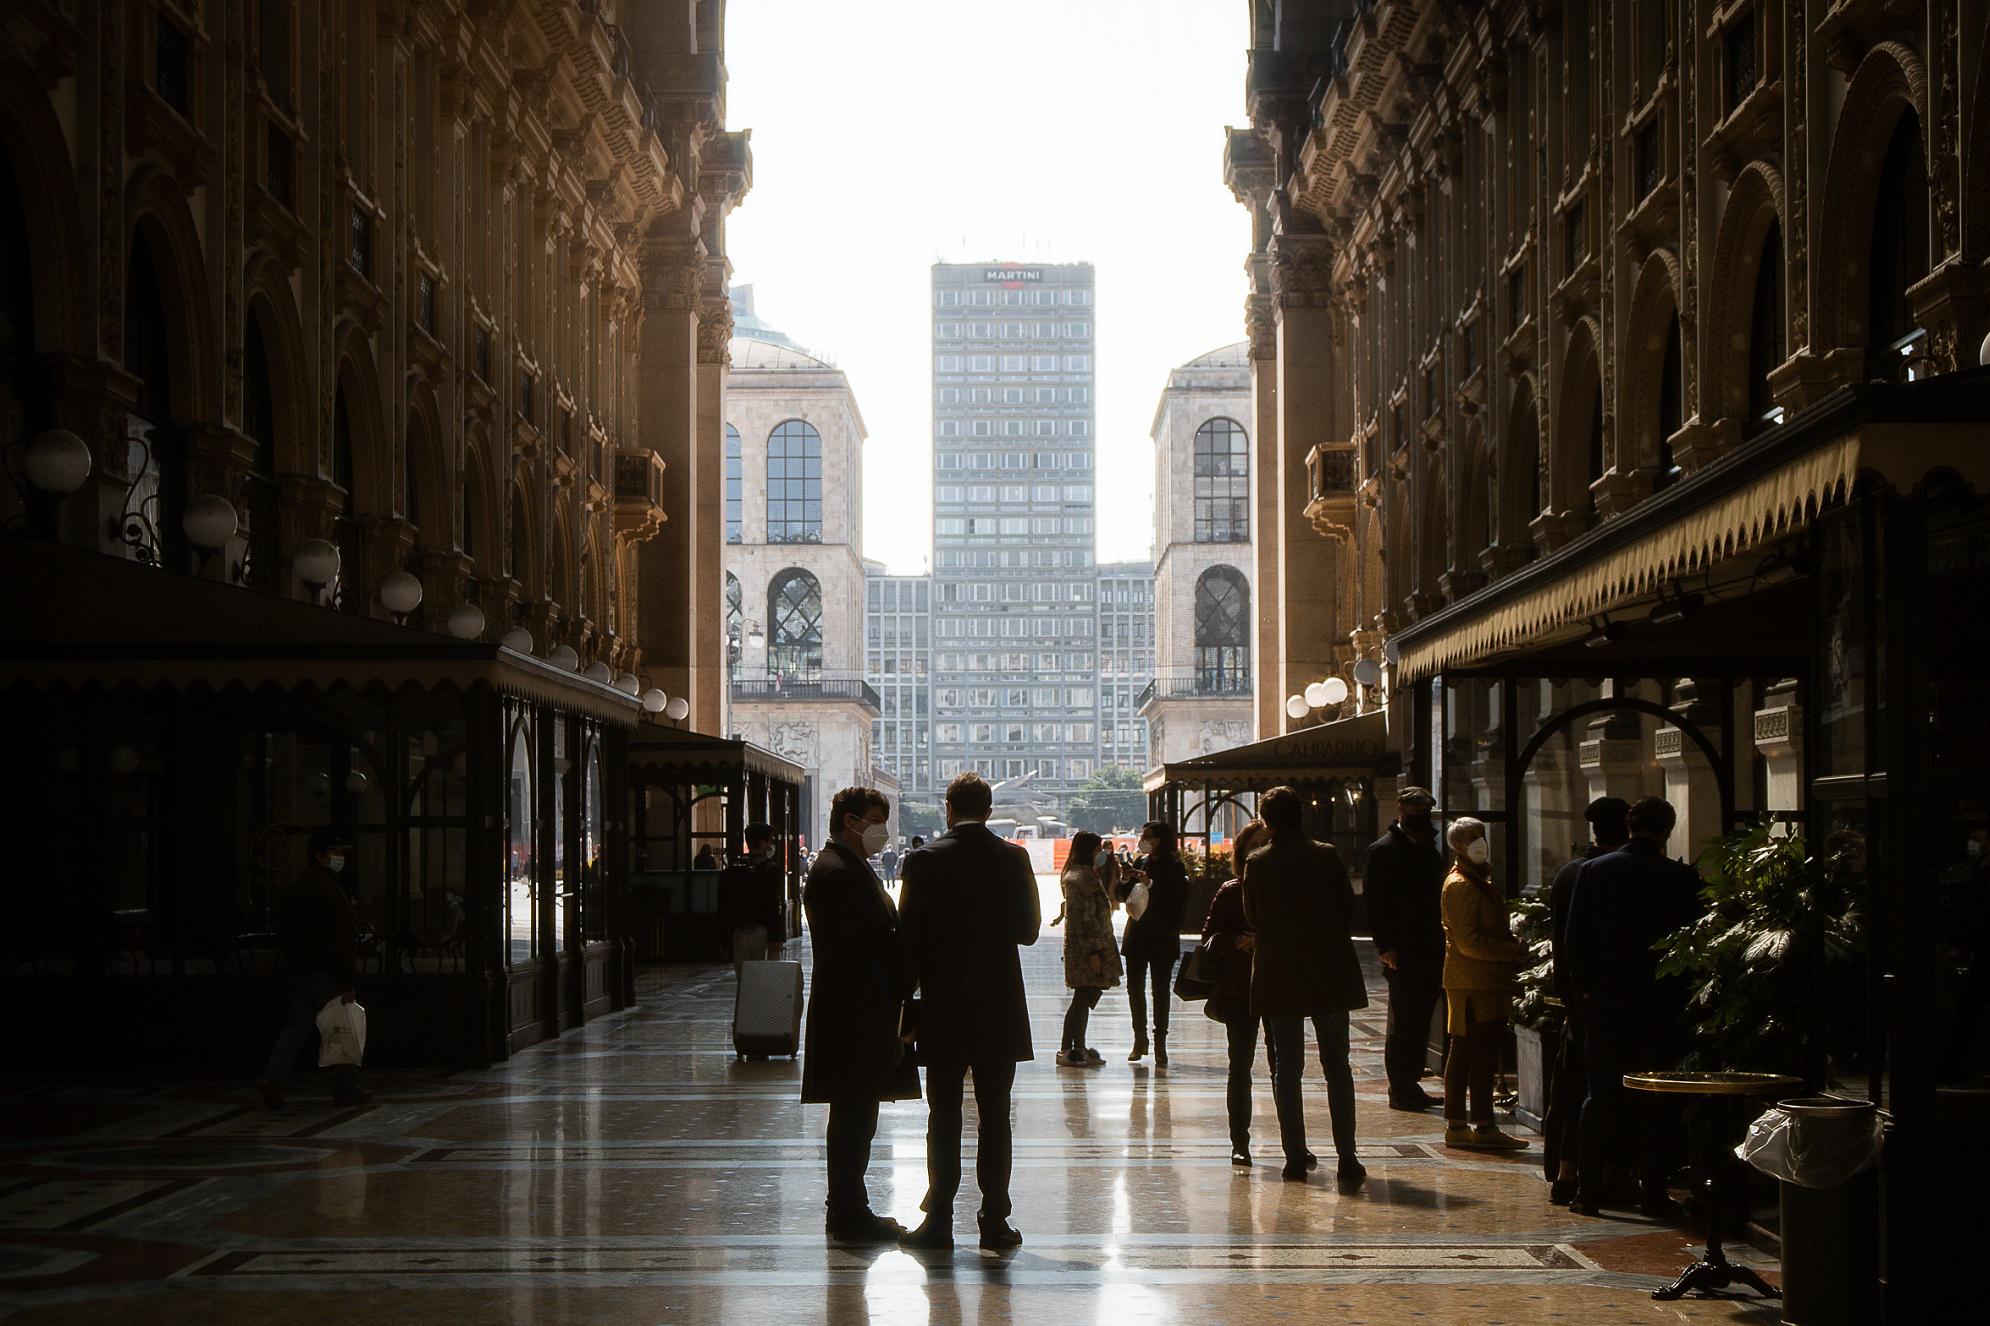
(1298, 904)
(753, 900)
(321, 957)
(1228, 940)
(1152, 942)
(1625, 902)
(890, 862)
(853, 1058)
(969, 900)
(1609, 829)
(1481, 960)
(1402, 881)
(1091, 960)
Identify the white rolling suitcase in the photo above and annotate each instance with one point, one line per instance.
(767, 1011)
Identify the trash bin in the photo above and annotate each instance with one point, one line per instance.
(1822, 1150)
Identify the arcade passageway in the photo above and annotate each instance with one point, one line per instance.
(633, 1171)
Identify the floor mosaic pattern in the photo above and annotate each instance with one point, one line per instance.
(636, 1171)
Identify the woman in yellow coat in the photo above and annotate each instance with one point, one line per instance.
(1481, 959)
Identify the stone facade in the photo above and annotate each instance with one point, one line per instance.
(1193, 710)
(394, 275)
(797, 683)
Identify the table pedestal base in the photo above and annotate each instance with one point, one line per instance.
(1714, 1271)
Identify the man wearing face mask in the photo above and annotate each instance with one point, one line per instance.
(852, 1058)
(320, 953)
(1402, 881)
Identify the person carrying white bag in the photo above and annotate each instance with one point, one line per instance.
(321, 954)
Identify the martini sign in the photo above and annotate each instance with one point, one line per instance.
(1012, 277)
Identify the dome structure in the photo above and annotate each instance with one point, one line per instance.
(1235, 355)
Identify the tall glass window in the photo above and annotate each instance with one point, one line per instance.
(1222, 483)
(794, 484)
(1222, 631)
(735, 485)
(794, 625)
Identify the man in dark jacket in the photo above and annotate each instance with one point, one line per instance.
(1403, 884)
(1298, 903)
(1626, 902)
(853, 1058)
(321, 955)
(753, 899)
(1609, 826)
(969, 900)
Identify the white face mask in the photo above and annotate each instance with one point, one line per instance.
(875, 838)
(1146, 847)
(1479, 851)
(335, 862)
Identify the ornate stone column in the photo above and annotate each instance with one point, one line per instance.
(1689, 783)
(1307, 368)
(667, 377)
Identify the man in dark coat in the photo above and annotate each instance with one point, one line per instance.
(969, 900)
(1608, 824)
(1402, 882)
(753, 899)
(321, 955)
(1299, 904)
(1626, 902)
(852, 1057)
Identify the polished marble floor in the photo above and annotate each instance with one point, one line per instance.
(635, 1171)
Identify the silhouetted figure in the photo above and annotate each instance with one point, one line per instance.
(969, 900)
(1402, 881)
(1152, 941)
(1298, 903)
(1608, 823)
(321, 956)
(852, 1057)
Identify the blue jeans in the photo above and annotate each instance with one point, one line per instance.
(308, 993)
(1286, 1038)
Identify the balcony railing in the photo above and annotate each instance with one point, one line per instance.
(805, 687)
(1208, 685)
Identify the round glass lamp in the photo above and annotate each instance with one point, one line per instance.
(677, 708)
(598, 671)
(401, 592)
(1367, 671)
(209, 522)
(517, 638)
(1296, 706)
(56, 461)
(627, 684)
(316, 562)
(466, 621)
(1332, 691)
(565, 658)
(1316, 694)
(654, 700)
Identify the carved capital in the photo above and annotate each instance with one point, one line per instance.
(1302, 271)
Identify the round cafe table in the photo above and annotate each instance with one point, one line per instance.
(1721, 1091)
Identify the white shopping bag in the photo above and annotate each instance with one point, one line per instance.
(341, 1033)
(1136, 900)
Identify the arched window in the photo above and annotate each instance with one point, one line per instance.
(1766, 346)
(1222, 632)
(149, 526)
(1900, 252)
(735, 485)
(794, 625)
(1222, 483)
(261, 556)
(794, 484)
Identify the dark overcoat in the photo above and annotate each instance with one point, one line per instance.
(969, 900)
(1157, 933)
(1299, 904)
(1625, 902)
(860, 979)
(1402, 881)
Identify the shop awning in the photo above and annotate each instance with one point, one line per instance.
(1357, 747)
(698, 758)
(1744, 501)
(77, 618)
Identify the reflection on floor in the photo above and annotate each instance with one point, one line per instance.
(635, 1171)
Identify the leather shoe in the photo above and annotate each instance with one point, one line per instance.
(866, 1227)
(931, 1236)
(1294, 1171)
(1350, 1174)
(1561, 1192)
(1240, 1157)
(1416, 1104)
(1000, 1236)
(1585, 1206)
(272, 1095)
(1312, 1161)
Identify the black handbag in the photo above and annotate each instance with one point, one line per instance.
(1198, 975)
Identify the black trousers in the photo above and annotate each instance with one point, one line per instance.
(1079, 1015)
(945, 1088)
(1413, 995)
(1140, 966)
(1566, 1092)
(1242, 1034)
(852, 1126)
(1620, 1125)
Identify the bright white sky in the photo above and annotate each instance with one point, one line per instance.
(890, 134)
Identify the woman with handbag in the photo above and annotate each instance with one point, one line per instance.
(1481, 961)
(1091, 963)
(1227, 943)
(1152, 943)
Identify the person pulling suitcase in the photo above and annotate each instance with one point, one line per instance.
(853, 1058)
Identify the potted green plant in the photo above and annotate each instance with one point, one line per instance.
(1537, 1017)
